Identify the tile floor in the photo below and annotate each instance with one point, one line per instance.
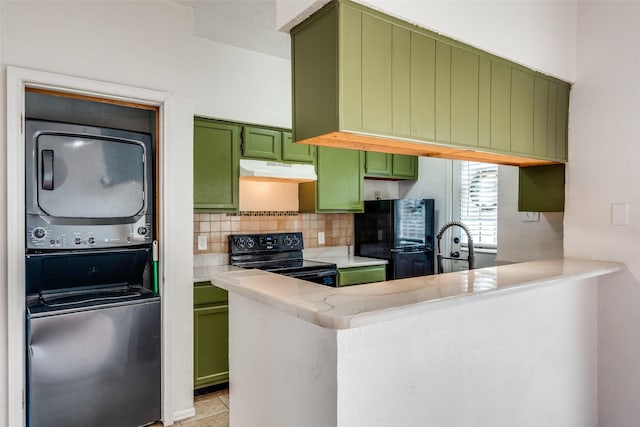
(212, 410)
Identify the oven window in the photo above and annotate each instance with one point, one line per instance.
(84, 177)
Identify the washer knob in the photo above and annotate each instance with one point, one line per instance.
(142, 231)
(286, 241)
(250, 243)
(77, 240)
(91, 240)
(39, 232)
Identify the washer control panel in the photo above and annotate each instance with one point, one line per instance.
(41, 235)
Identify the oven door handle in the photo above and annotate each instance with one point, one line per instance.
(47, 169)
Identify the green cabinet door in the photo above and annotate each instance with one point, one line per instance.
(340, 184)
(211, 345)
(541, 188)
(443, 92)
(464, 96)
(299, 153)
(259, 143)
(392, 166)
(500, 106)
(361, 275)
(423, 86)
(215, 165)
(522, 112)
(376, 74)
(210, 335)
(377, 164)
(404, 166)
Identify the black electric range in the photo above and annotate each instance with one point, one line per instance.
(279, 253)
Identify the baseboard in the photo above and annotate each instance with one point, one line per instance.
(183, 415)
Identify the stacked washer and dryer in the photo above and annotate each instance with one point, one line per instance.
(92, 303)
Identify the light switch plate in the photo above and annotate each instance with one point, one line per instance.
(202, 243)
(619, 214)
(321, 237)
(530, 216)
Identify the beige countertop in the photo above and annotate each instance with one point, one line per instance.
(204, 273)
(353, 306)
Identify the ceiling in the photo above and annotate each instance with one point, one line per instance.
(248, 24)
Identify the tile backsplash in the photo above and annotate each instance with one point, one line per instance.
(337, 228)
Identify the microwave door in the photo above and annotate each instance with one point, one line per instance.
(85, 177)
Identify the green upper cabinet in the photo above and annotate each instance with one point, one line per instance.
(299, 153)
(359, 73)
(260, 143)
(390, 166)
(377, 164)
(340, 184)
(273, 144)
(215, 165)
(404, 166)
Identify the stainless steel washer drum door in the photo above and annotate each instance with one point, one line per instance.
(87, 177)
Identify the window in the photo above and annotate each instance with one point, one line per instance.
(479, 202)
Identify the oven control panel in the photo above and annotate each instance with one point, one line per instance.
(260, 243)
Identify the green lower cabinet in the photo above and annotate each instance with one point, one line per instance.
(361, 275)
(391, 166)
(210, 336)
(340, 184)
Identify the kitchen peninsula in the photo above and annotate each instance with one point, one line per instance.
(501, 346)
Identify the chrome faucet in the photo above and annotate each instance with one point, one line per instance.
(470, 258)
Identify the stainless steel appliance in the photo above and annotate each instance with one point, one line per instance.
(279, 253)
(92, 321)
(400, 231)
(93, 340)
(87, 187)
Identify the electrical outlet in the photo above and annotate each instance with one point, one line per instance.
(530, 216)
(202, 243)
(321, 237)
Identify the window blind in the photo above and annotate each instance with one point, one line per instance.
(479, 202)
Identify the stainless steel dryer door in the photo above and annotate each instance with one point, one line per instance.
(95, 367)
(88, 177)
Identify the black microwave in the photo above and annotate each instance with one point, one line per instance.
(87, 187)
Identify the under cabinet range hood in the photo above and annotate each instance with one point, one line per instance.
(261, 170)
(368, 81)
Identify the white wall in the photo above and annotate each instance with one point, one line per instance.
(541, 35)
(519, 359)
(276, 360)
(144, 44)
(241, 85)
(525, 358)
(604, 130)
(518, 240)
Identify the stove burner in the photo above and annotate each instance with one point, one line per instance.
(279, 253)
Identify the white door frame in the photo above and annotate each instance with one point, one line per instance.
(17, 80)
